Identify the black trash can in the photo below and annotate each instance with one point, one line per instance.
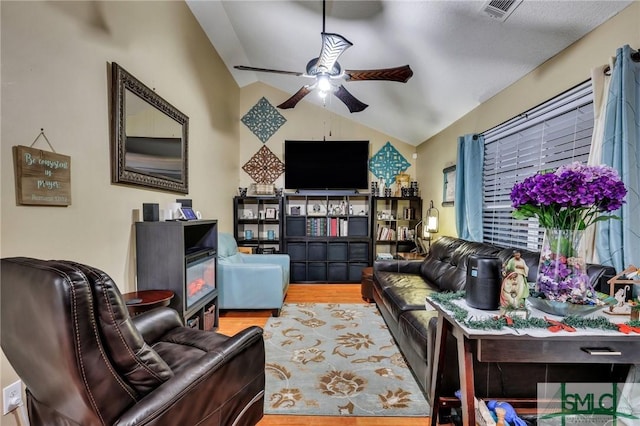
(484, 280)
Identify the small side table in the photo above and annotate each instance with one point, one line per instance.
(142, 301)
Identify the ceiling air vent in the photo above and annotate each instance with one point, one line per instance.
(500, 9)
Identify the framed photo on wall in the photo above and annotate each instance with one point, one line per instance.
(449, 185)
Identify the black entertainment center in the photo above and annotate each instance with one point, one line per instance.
(326, 220)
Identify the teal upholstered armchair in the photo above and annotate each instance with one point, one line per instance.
(250, 281)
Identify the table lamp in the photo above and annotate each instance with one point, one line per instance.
(429, 226)
(433, 217)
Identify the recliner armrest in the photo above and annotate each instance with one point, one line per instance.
(206, 383)
(157, 322)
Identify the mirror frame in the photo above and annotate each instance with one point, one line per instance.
(121, 82)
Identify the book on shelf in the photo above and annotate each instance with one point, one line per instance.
(323, 226)
(404, 233)
(317, 226)
(333, 227)
(344, 227)
(384, 233)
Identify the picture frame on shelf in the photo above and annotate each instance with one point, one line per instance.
(402, 182)
(270, 213)
(449, 185)
(317, 208)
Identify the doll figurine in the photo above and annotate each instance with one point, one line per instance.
(515, 289)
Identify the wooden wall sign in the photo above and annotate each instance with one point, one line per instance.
(43, 178)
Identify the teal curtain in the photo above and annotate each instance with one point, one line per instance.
(618, 241)
(468, 197)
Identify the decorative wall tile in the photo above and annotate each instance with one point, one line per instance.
(264, 167)
(263, 120)
(387, 163)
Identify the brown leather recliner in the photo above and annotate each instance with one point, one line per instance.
(67, 333)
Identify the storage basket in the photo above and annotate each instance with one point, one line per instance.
(210, 317)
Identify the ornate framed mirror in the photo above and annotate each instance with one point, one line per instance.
(149, 137)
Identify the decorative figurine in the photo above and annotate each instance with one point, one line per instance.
(515, 289)
(622, 307)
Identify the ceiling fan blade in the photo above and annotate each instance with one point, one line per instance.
(349, 100)
(293, 100)
(245, 68)
(333, 45)
(401, 74)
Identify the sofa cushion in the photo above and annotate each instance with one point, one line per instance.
(438, 261)
(403, 292)
(388, 279)
(455, 278)
(446, 264)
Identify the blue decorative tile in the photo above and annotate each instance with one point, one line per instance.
(263, 120)
(387, 163)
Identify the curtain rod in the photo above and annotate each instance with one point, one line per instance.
(635, 57)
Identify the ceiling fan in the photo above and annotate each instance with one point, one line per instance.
(327, 72)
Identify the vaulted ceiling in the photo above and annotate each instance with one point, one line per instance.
(460, 55)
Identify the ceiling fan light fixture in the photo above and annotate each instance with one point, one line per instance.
(323, 83)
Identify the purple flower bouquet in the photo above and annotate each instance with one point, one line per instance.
(566, 201)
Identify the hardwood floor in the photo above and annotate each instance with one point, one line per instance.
(233, 321)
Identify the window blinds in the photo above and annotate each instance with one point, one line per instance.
(554, 133)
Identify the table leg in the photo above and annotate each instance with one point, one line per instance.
(467, 387)
(443, 328)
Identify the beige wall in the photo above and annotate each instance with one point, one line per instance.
(565, 70)
(308, 122)
(55, 61)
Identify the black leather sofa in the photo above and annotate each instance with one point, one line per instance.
(400, 288)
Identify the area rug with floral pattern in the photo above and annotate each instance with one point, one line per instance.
(336, 360)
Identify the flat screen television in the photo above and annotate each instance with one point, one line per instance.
(326, 165)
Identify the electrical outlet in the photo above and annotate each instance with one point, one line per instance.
(12, 397)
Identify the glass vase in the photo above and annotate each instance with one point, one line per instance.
(562, 273)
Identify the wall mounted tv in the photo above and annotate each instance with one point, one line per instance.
(326, 165)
